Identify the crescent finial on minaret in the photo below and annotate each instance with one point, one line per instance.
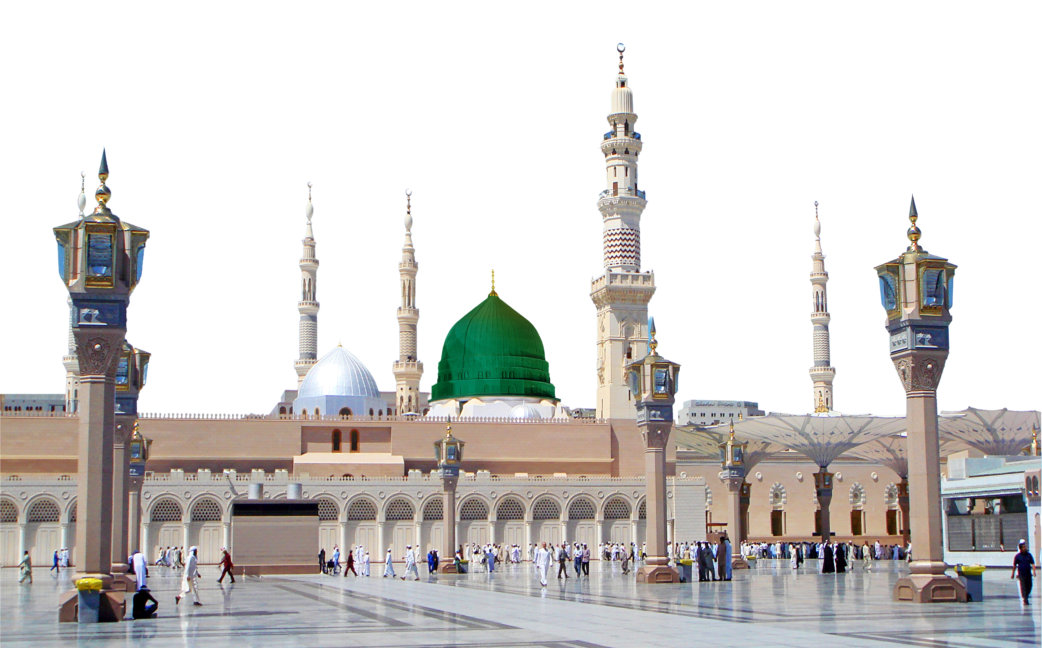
(310, 210)
(82, 200)
(493, 292)
(621, 48)
(408, 211)
(817, 222)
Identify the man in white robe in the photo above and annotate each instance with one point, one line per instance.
(365, 564)
(190, 577)
(140, 568)
(410, 563)
(542, 563)
(388, 564)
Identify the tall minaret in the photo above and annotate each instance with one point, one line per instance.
(621, 294)
(71, 359)
(822, 372)
(407, 369)
(308, 305)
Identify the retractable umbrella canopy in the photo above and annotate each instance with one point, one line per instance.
(1002, 432)
(706, 442)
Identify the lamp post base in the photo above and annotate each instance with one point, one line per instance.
(929, 588)
(739, 562)
(655, 574)
(447, 567)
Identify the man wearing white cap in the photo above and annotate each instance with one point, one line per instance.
(1023, 568)
(542, 563)
(188, 581)
(388, 564)
(365, 564)
(410, 563)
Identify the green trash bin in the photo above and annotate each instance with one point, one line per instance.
(88, 599)
(972, 578)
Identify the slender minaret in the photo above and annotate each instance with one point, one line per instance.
(407, 369)
(308, 305)
(822, 372)
(71, 359)
(621, 294)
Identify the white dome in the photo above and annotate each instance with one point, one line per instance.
(338, 373)
(525, 411)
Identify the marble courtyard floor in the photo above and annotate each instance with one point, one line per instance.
(766, 606)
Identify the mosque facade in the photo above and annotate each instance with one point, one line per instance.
(366, 455)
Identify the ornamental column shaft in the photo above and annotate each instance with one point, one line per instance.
(448, 454)
(448, 510)
(916, 291)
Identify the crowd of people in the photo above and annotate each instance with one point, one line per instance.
(835, 557)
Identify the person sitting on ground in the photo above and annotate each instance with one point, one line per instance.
(145, 605)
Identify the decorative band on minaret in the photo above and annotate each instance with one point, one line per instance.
(822, 373)
(308, 304)
(621, 294)
(408, 369)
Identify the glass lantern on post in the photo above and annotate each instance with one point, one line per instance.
(448, 455)
(732, 462)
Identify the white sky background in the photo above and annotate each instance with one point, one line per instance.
(216, 117)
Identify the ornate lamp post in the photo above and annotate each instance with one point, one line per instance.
(130, 379)
(100, 260)
(653, 384)
(732, 457)
(137, 455)
(448, 453)
(916, 291)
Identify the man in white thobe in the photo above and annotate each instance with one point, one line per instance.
(388, 564)
(410, 563)
(365, 564)
(140, 568)
(542, 563)
(188, 580)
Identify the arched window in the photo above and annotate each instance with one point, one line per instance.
(777, 497)
(166, 510)
(642, 510)
(370, 411)
(361, 509)
(206, 510)
(282, 411)
(400, 509)
(318, 413)
(857, 496)
(510, 509)
(328, 510)
(473, 509)
(336, 440)
(354, 440)
(616, 509)
(581, 509)
(8, 512)
(43, 510)
(432, 510)
(546, 509)
(345, 411)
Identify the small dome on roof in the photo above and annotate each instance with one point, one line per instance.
(338, 373)
(525, 411)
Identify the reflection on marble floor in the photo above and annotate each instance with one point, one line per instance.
(767, 606)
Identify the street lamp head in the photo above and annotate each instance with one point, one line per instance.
(448, 453)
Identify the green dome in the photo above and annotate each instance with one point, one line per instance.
(492, 351)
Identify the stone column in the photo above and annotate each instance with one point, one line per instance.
(227, 536)
(343, 537)
(823, 490)
(98, 352)
(528, 537)
(448, 517)
(146, 547)
(187, 524)
(902, 503)
(134, 519)
(23, 539)
(743, 502)
(120, 478)
(735, 527)
(656, 569)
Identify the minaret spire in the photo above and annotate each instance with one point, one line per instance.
(407, 369)
(822, 373)
(308, 305)
(621, 294)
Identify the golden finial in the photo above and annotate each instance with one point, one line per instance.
(448, 431)
(739, 416)
(913, 232)
(493, 293)
(1033, 448)
(821, 405)
(103, 193)
(652, 342)
(731, 432)
(621, 48)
